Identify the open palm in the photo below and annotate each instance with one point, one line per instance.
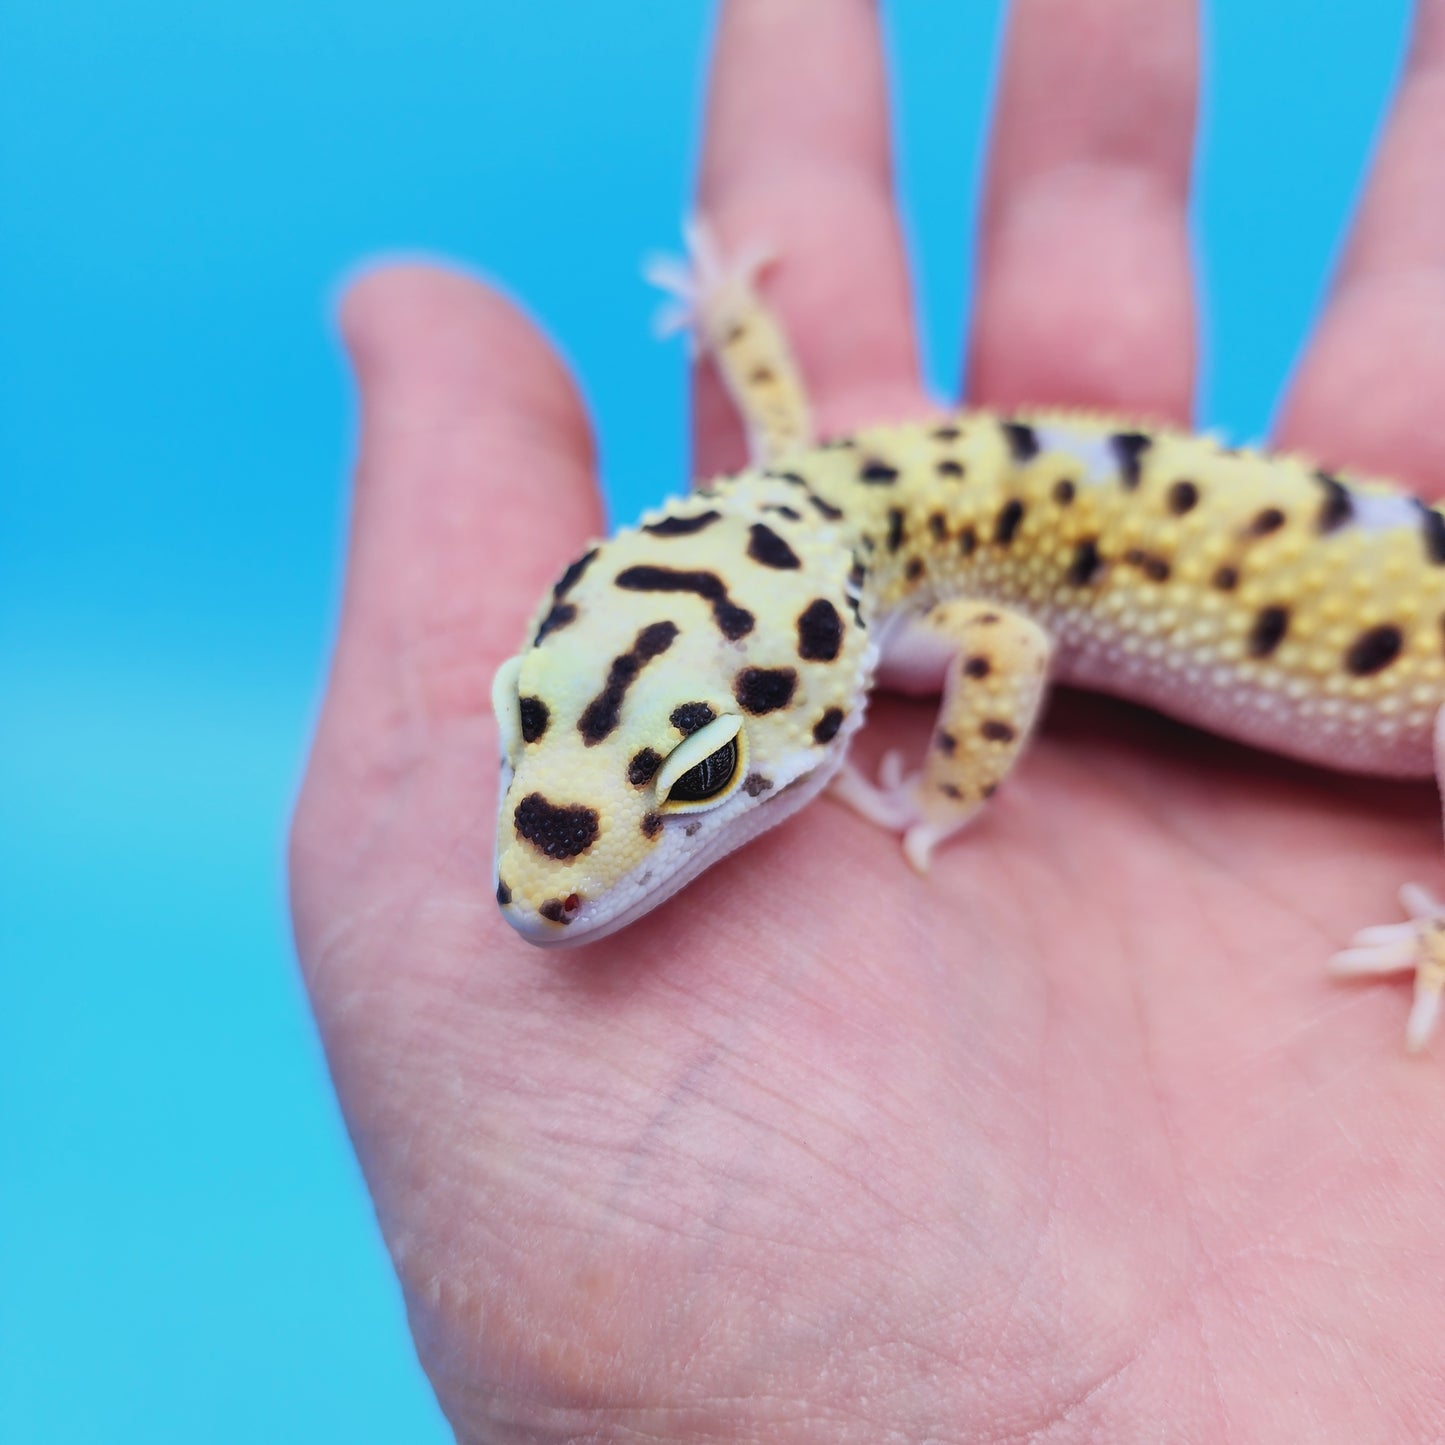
(1072, 1139)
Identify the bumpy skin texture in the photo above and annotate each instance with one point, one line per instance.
(1070, 1141)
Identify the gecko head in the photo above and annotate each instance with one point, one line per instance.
(662, 724)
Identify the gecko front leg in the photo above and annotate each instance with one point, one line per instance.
(994, 665)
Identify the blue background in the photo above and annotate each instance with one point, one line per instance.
(186, 1250)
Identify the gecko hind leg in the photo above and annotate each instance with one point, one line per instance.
(1416, 946)
(995, 671)
(718, 304)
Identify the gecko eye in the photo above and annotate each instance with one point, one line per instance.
(703, 767)
(708, 778)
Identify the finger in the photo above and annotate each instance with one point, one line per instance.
(473, 489)
(1085, 293)
(796, 157)
(1367, 394)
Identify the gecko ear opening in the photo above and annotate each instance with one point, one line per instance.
(702, 769)
(507, 708)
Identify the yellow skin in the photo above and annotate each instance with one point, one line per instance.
(1066, 1141)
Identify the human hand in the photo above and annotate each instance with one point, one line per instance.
(1071, 1138)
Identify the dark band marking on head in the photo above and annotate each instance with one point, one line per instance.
(556, 832)
(733, 621)
(768, 549)
(561, 614)
(826, 728)
(779, 510)
(1022, 441)
(1432, 529)
(820, 631)
(601, 715)
(1268, 630)
(825, 509)
(681, 526)
(1129, 448)
(1338, 507)
(1374, 650)
(534, 717)
(569, 579)
(764, 689)
(688, 717)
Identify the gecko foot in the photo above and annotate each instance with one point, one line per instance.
(1416, 947)
(893, 803)
(705, 284)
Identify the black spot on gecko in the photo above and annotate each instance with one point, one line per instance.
(643, 767)
(769, 550)
(945, 742)
(561, 910)
(1085, 564)
(1183, 497)
(1155, 568)
(949, 468)
(877, 474)
(1226, 579)
(938, 526)
(733, 621)
(761, 375)
(1374, 650)
(561, 614)
(756, 784)
(1270, 519)
(1338, 507)
(556, 832)
(787, 512)
(895, 529)
(977, 666)
(951, 790)
(764, 689)
(1007, 525)
(997, 731)
(1432, 529)
(820, 631)
(825, 509)
(1268, 630)
(945, 433)
(534, 716)
(1064, 492)
(681, 526)
(601, 715)
(504, 894)
(826, 728)
(915, 569)
(651, 824)
(688, 717)
(968, 541)
(1022, 440)
(1129, 448)
(792, 478)
(572, 575)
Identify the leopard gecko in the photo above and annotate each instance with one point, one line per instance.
(697, 678)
